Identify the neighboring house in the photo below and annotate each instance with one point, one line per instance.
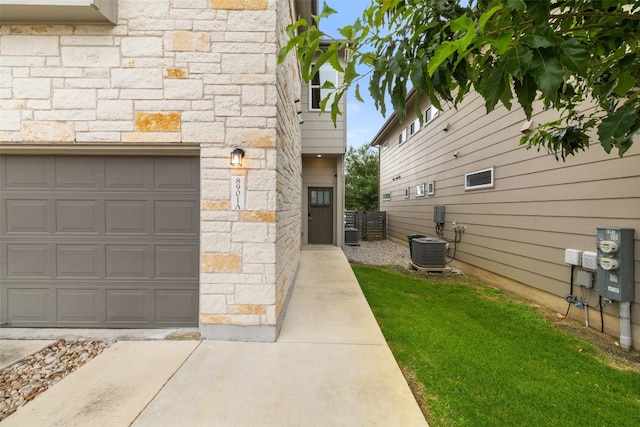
(520, 208)
(119, 206)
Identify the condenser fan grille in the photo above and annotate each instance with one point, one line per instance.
(428, 252)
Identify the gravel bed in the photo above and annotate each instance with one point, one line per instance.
(379, 252)
(27, 378)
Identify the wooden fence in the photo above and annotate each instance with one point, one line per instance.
(370, 225)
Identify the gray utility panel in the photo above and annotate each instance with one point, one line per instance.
(99, 241)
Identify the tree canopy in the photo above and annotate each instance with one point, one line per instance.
(563, 53)
(361, 179)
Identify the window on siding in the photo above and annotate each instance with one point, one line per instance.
(386, 196)
(479, 179)
(414, 127)
(402, 137)
(322, 85)
(430, 113)
(385, 145)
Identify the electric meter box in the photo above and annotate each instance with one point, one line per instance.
(615, 263)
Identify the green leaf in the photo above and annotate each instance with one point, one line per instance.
(327, 11)
(518, 60)
(516, 5)
(502, 42)
(548, 72)
(625, 82)
(574, 56)
(357, 93)
(484, 18)
(442, 52)
(526, 91)
(494, 87)
(616, 126)
(537, 41)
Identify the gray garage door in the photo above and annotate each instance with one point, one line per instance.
(99, 241)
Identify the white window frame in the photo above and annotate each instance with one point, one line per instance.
(386, 197)
(385, 145)
(402, 138)
(431, 188)
(407, 192)
(326, 73)
(420, 190)
(430, 113)
(468, 177)
(414, 127)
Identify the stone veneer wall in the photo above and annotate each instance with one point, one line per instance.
(181, 72)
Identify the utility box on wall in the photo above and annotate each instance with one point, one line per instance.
(615, 263)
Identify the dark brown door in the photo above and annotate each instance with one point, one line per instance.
(320, 216)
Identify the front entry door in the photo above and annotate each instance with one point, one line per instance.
(320, 218)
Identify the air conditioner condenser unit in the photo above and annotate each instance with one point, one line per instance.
(429, 252)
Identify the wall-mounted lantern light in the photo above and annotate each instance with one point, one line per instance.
(236, 157)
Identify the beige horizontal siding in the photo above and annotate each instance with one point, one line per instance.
(538, 207)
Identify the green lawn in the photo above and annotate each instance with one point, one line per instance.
(485, 360)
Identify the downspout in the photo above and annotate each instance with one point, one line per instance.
(625, 325)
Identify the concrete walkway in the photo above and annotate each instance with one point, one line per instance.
(330, 367)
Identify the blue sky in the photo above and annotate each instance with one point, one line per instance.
(363, 120)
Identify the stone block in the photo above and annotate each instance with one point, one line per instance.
(252, 20)
(115, 110)
(258, 216)
(176, 73)
(261, 253)
(136, 78)
(151, 137)
(239, 4)
(227, 106)
(255, 232)
(203, 132)
(47, 131)
(213, 304)
(253, 95)
(183, 89)
(157, 122)
(246, 309)
(70, 99)
(247, 63)
(256, 138)
(84, 56)
(188, 41)
(32, 88)
(10, 120)
(261, 180)
(220, 263)
(78, 40)
(255, 294)
(141, 46)
(28, 45)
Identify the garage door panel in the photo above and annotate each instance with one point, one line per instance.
(134, 173)
(25, 260)
(79, 173)
(127, 216)
(25, 172)
(176, 173)
(27, 216)
(99, 241)
(127, 261)
(176, 261)
(176, 217)
(176, 306)
(124, 305)
(84, 306)
(29, 305)
(78, 216)
(78, 261)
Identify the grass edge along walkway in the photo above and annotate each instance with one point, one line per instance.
(482, 359)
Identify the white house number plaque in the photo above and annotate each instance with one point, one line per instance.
(237, 193)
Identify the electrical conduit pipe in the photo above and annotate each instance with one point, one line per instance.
(625, 325)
